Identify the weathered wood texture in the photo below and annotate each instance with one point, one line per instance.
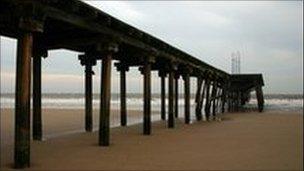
(22, 105)
(105, 98)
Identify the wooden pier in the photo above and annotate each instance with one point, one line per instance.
(43, 25)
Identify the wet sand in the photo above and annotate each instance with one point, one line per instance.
(241, 141)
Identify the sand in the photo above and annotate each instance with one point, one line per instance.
(241, 141)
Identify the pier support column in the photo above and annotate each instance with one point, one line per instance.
(219, 94)
(88, 62)
(198, 97)
(260, 98)
(172, 69)
(22, 103)
(207, 105)
(223, 99)
(123, 105)
(186, 77)
(88, 98)
(146, 71)
(37, 120)
(105, 99)
(176, 77)
(213, 97)
(162, 75)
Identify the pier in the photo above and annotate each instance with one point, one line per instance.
(43, 25)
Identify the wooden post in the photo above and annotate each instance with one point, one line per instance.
(223, 98)
(123, 104)
(37, 120)
(203, 95)
(105, 98)
(176, 76)
(171, 102)
(88, 98)
(88, 62)
(198, 99)
(260, 98)
(162, 75)
(22, 104)
(186, 77)
(218, 97)
(146, 71)
(207, 105)
(213, 95)
(200, 103)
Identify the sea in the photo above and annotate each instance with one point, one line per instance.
(280, 103)
(274, 102)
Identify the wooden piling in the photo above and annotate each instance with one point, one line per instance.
(186, 78)
(171, 100)
(223, 99)
(213, 97)
(260, 98)
(105, 98)
(162, 75)
(198, 99)
(207, 105)
(176, 77)
(37, 120)
(22, 104)
(146, 71)
(123, 105)
(88, 98)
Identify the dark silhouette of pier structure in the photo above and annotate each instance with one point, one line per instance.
(42, 25)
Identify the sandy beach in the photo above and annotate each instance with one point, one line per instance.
(241, 141)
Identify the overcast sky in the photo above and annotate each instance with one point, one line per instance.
(268, 35)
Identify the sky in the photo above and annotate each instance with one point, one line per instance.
(269, 36)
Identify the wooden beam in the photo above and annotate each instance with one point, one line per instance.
(22, 105)
(105, 99)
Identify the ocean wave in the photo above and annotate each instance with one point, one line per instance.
(283, 104)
